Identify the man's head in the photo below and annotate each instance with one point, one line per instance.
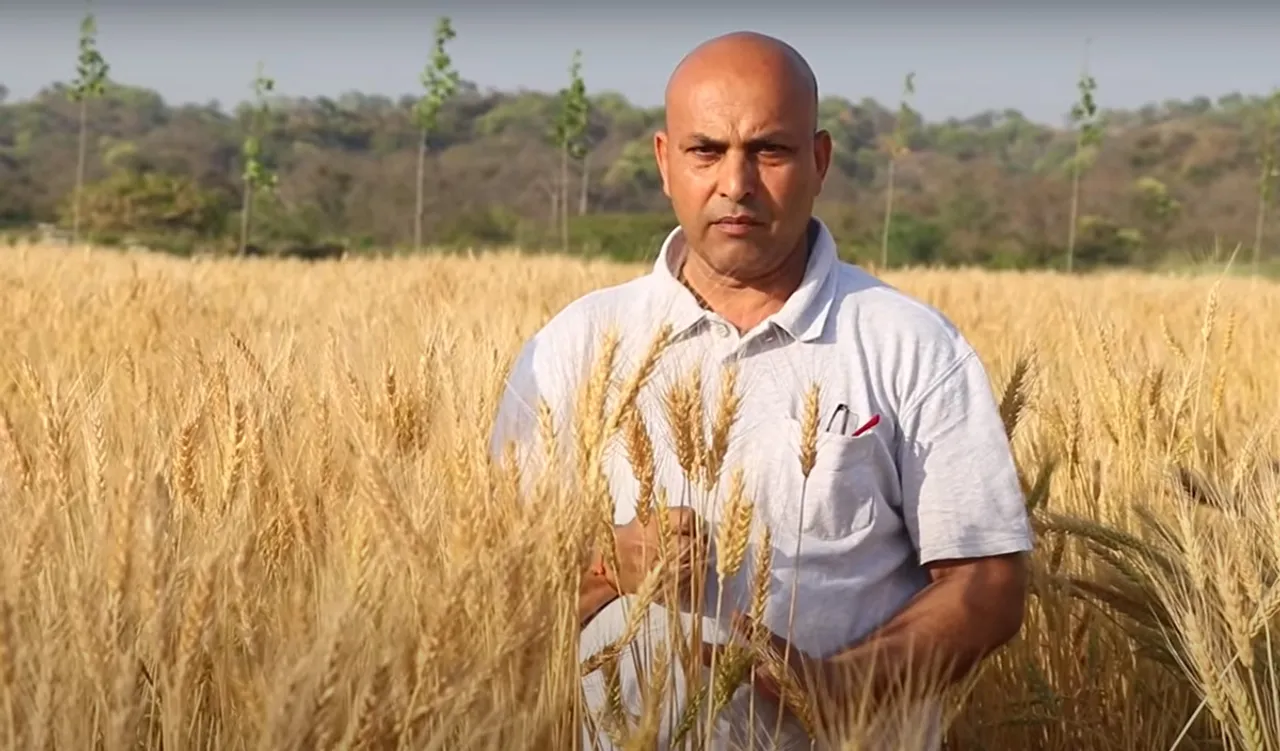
(741, 158)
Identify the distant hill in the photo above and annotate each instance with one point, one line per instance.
(995, 188)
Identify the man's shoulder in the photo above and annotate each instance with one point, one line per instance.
(905, 344)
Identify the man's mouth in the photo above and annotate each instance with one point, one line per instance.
(737, 226)
(738, 220)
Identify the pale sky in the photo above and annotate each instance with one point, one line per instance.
(975, 57)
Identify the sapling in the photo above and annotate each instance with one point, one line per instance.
(898, 146)
(1268, 173)
(1084, 114)
(91, 82)
(570, 130)
(440, 81)
(256, 175)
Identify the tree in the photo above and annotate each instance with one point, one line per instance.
(440, 81)
(898, 146)
(570, 129)
(150, 206)
(256, 176)
(1084, 114)
(91, 79)
(1157, 207)
(1268, 173)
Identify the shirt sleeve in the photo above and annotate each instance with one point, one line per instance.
(516, 420)
(547, 369)
(961, 496)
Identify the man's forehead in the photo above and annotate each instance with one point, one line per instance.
(738, 106)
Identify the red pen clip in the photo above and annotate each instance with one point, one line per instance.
(874, 421)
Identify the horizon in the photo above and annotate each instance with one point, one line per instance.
(965, 62)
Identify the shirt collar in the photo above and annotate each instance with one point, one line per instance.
(803, 316)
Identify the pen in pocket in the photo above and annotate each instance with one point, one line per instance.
(874, 421)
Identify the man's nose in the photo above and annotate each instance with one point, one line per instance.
(737, 176)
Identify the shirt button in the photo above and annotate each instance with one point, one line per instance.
(721, 330)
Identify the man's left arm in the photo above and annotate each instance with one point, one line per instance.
(969, 609)
(966, 516)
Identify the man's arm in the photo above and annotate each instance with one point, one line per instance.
(969, 609)
(534, 377)
(596, 590)
(965, 514)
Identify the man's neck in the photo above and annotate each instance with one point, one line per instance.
(746, 303)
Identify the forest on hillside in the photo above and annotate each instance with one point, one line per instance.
(1173, 180)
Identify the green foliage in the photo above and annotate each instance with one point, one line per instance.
(516, 116)
(915, 241)
(341, 169)
(141, 207)
(1104, 243)
(1269, 171)
(1084, 113)
(90, 83)
(1268, 174)
(622, 237)
(256, 174)
(571, 122)
(92, 69)
(901, 142)
(636, 165)
(439, 79)
(898, 146)
(1154, 202)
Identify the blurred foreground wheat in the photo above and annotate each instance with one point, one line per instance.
(249, 506)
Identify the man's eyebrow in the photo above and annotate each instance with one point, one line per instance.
(764, 139)
(702, 139)
(774, 137)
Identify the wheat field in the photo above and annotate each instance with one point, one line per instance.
(249, 506)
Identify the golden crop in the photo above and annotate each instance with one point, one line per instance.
(247, 505)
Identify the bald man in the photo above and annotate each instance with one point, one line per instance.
(903, 543)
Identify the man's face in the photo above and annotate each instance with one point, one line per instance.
(742, 166)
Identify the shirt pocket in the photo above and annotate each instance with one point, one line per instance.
(841, 497)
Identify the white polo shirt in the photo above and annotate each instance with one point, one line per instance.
(933, 479)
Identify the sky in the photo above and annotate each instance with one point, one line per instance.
(974, 56)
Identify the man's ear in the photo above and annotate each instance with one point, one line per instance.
(822, 148)
(660, 144)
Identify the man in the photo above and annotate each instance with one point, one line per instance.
(910, 523)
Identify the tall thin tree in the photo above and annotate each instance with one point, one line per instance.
(256, 176)
(91, 82)
(1084, 114)
(1268, 173)
(569, 134)
(899, 144)
(440, 81)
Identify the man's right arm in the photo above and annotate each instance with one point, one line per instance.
(595, 592)
(517, 422)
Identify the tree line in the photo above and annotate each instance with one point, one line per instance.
(454, 166)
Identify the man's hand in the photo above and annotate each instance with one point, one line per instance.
(810, 676)
(640, 550)
(971, 608)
